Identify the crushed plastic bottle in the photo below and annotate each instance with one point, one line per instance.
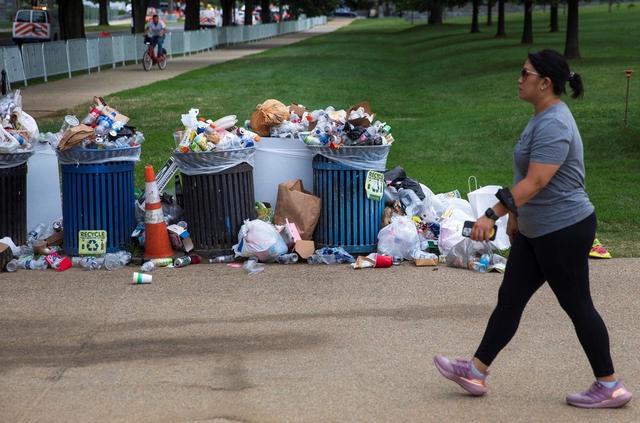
(147, 266)
(252, 266)
(114, 261)
(287, 258)
(90, 263)
(35, 233)
(12, 266)
(327, 255)
(28, 262)
(223, 259)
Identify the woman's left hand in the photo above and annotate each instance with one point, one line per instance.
(482, 229)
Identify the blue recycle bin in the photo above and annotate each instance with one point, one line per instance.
(347, 217)
(98, 197)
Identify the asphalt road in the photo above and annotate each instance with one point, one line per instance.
(296, 343)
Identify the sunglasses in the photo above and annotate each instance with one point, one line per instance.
(525, 72)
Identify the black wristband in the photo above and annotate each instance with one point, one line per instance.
(506, 199)
(491, 214)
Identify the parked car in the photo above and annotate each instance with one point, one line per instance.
(34, 25)
(345, 12)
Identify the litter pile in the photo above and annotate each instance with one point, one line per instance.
(104, 128)
(19, 130)
(201, 135)
(323, 127)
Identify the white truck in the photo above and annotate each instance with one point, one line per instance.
(34, 25)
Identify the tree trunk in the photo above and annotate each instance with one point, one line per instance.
(474, 20)
(227, 12)
(489, 10)
(265, 12)
(139, 12)
(527, 31)
(435, 14)
(71, 19)
(571, 47)
(104, 13)
(500, 33)
(192, 15)
(248, 12)
(554, 17)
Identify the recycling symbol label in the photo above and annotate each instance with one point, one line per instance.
(92, 242)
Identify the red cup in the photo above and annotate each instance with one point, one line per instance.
(384, 261)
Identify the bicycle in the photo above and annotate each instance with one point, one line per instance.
(150, 58)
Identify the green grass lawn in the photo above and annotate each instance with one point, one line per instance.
(450, 96)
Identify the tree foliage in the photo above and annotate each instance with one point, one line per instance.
(312, 7)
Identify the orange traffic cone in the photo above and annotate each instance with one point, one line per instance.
(156, 244)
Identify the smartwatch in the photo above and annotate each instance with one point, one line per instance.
(491, 214)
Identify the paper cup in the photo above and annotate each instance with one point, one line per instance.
(139, 278)
(384, 261)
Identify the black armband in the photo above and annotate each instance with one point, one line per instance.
(506, 199)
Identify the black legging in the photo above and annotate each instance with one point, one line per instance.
(560, 258)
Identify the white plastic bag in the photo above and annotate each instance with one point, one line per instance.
(463, 254)
(28, 123)
(259, 239)
(399, 238)
(451, 228)
(8, 144)
(483, 198)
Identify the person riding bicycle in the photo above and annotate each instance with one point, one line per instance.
(156, 30)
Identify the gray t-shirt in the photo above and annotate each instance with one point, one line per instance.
(552, 137)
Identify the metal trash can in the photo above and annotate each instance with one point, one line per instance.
(348, 218)
(216, 205)
(13, 203)
(98, 197)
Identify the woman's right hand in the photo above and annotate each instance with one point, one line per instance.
(512, 227)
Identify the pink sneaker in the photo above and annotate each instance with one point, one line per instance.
(459, 371)
(599, 396)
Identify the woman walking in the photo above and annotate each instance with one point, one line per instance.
(552, 225)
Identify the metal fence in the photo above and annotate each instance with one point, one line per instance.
(42, 60)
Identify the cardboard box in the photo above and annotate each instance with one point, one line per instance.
(180, 238)
(426, 262)
(304, 249)
(5, 255)
(55, 239)
(106, 110)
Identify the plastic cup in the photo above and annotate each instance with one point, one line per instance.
(384, 261)
(140, 278)
(70, 121)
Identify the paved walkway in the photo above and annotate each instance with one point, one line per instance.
(45, 99)
(295, 343)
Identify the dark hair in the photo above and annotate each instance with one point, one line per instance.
(155, 16)
(551, 64)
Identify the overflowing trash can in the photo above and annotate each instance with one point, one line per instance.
(218, 195)
(13, 201)
(98, 194)
(348, 218)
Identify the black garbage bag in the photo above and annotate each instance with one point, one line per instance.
(397, 178)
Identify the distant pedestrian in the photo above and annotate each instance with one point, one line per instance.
(552, 226)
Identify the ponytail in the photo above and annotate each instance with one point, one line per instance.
(575, 82)
(551, 64)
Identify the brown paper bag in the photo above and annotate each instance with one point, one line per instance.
(268, 114)
(299, 206)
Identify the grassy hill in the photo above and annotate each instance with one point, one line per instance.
(450, 96)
